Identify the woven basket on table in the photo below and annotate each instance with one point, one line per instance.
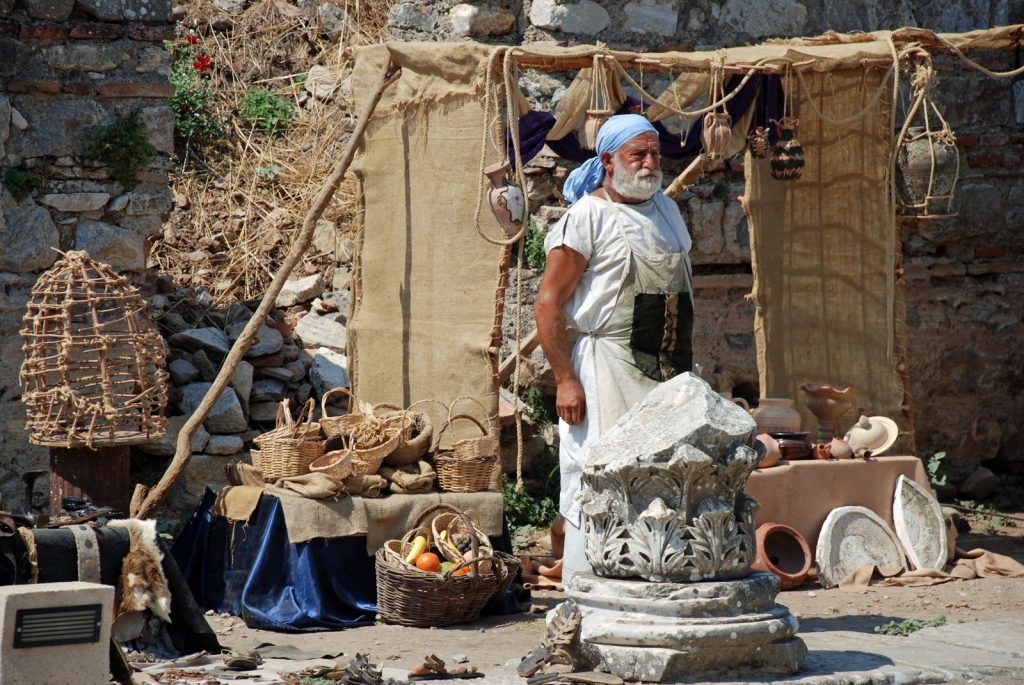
(419, 437)
(410, 597)
(365, 458)
(469, 465)
(446, 527)
(338, 426)
(93, 372)
(290, 447)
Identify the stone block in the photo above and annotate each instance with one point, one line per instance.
(329, 370)
(226, 415)
(224, 445)
(168, 442)
(268, 340)
(209, 338)
(147, 10)
(230, 6)
(38, 86)
(767, 18)
(652, 16)
(96, 31)
(876, 544)
(97, 57)
(122, 249)
(31, 32)
(920, 526)
(319, 331)
(979, 485)
(135, 90)
(75, 202)
(583, 16)
(300, 290)
(18, 120)
(55, 125)
(321, 82)
(51, 10)
(241, 381)
(27, 234)
(182, 372)
(105, 10)
(481, 20)
(269, 389)
(263, 412)
(332, 20)
(87, 663)
(204, 471)
(408, 15)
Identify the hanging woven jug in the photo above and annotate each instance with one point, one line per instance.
(601, 86)
(717, 134)
(757, 142)
(93, 373)
(787, 162)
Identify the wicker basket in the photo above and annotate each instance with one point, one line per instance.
(444, 527)
(290, 448)
(337, 464)
(467, 467)
(414, 446)
(93, 372)
(485, 445)
(336, 426)
(410, 597)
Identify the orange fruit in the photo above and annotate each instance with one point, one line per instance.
(464, 571)
(429, 562)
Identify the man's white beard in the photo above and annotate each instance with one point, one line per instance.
(639, 186)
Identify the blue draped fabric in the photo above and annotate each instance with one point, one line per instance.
(761, 91)
(251, 570)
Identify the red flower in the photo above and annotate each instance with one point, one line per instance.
(192, 39)
(202, 62)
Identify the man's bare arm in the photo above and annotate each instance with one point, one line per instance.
(562, 274)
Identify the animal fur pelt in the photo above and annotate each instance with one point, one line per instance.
(143, 583)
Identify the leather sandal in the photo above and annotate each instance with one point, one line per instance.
(241, 661)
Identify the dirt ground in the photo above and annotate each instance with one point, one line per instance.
(497, 643)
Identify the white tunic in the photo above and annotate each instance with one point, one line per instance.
(622, 243)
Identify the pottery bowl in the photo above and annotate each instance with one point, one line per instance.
(793, 445)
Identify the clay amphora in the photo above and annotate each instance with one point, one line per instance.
(783, 551)
(776, 415)
(827, 403)
(757, 142)
(716, 134)
(927, 167)
(788, 156)
(506, 199)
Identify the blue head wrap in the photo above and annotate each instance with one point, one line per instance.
(614, 133)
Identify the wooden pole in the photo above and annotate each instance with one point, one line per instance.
(143, 502)
(686, 177)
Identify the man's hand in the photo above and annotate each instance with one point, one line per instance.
(570, 402)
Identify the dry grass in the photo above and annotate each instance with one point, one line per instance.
(242, 197)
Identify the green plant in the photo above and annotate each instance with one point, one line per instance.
(192, 102)
(910, 625)
(533, 249)
(933, 466)
(20, 184)
(123, 146)
(540, 406)
(524, 510)
(267, 112)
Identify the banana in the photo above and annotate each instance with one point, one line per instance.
(419, 544)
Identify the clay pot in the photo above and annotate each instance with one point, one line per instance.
(782, 551)
(821, 451)
(793, 445)
(717, 134)
(588, 133)
(506, 199)
(827, 403)
(927, 166)
(873, 434)
(774, 414)
(757, 143)
(772, 453)
(788, 156)
(840, 449)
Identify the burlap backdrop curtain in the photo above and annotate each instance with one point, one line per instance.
(426, 281)
(822, 252)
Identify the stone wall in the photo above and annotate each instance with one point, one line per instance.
(964, 276)
(68, 67)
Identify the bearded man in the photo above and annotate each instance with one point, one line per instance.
(618, 274)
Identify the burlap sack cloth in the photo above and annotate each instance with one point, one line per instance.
(822, 250)
(425, 282)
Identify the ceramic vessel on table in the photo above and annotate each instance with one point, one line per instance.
(772, 453)
(873, 434)
(774, 414)
(793, 445)
(827, 403)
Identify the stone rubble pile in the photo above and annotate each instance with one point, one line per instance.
(299, 354)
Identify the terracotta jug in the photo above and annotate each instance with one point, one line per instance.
(588, 133)
(783, 551)
(717, 134)
(788, 155)
(776, 415)
(827, 403)
(506, 199)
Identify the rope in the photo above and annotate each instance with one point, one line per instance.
(31, 553)
(974, 65)
(853, 117)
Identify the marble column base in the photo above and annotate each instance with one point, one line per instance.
(659, 632)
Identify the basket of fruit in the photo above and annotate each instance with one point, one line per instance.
(416, 588)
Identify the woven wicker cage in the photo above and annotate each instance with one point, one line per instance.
(93, 373)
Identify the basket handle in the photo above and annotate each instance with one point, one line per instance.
(484, 413)
(305, 415)
(323, 400)
(450, 421)
(473, 541)
(284, 415)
